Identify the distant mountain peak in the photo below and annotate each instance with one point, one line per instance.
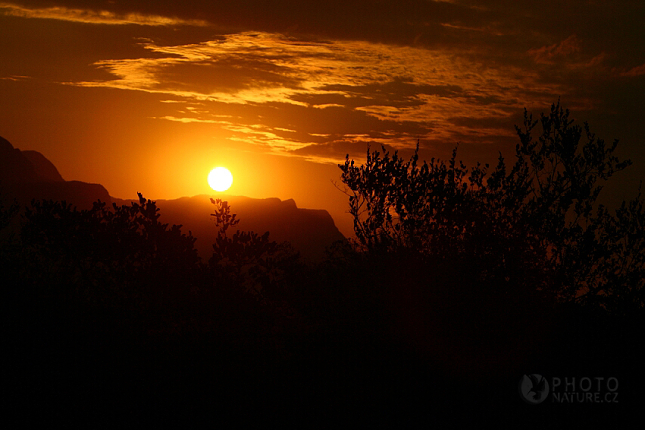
(14, 166)
(5, 144)
(44, 168)
(27, 175)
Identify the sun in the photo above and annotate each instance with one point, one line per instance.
(220, 179)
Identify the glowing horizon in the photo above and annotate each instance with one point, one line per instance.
(142, 96)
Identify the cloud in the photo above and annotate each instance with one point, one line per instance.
(15, 78)
(285, 94)
(409, 22)
(335, 151)
(260, 67)
(557, 51)
(291, 75)
(597, 60)
(635, 71)
(91, 16)
(187, 120)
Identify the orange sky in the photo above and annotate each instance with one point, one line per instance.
(142, 97)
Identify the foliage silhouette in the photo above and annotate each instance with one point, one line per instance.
(535, 225)
(247, 258)
(6, 213)
(123, 250)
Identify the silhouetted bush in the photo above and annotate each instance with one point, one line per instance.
(535, 227)
(246, 258)
(6, 213)
(107, 253)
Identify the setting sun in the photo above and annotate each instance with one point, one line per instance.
(220, 179)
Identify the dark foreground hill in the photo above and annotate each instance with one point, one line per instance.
(27, 175)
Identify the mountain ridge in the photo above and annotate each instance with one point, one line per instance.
(27, 175)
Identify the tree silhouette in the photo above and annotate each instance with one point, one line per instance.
(118, 253)
(535, 224)
(6, 213)
(247, 258)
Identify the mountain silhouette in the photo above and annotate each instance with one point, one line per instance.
(27, 175)
(45, 169)
(15, 167)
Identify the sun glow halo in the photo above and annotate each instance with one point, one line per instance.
(220, 179)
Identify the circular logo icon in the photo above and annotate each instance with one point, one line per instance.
(534, 388)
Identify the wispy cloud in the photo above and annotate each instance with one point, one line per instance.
(90, 16)
(187, 120)
(635, 71)
(551, 53)
(15, 78)
(285, 94)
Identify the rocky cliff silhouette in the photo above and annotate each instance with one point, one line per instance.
(27, 175)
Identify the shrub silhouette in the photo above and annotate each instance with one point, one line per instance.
(6, 213)
(113, 297)
(534, 226)
(247, 258)
(146, 277)
(105, 251)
